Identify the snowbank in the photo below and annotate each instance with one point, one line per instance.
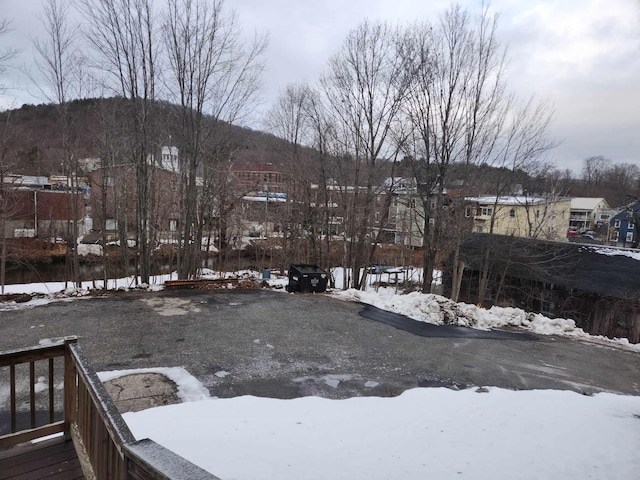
(440, 310)
(611, 252)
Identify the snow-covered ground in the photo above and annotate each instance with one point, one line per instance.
(487, 433)
(481, 434)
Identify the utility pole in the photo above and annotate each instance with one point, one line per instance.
(266, 209)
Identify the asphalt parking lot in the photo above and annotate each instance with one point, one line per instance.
(268, 343)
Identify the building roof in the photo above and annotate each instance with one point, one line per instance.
(511, 200)
(265, 167)
(626, 212)
(606, 271)
(587, 203)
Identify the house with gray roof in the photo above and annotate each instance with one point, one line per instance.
(588, 213)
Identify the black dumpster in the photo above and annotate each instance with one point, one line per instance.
(307, 278)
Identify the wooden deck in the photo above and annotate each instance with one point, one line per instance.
(108, 449)
(49, 459)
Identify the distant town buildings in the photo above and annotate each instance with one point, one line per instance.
(264, 197)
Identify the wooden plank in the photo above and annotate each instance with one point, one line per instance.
(31, 354)
(14, 439)
(199, 282)
(149, 460)
(98, 396)
(50, 459)
(12, 374)
(70, 393)
(51, 392)
(34, 457)
(32, 392)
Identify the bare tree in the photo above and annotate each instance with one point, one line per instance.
(122, 34)
(364, 88)
(213, 73)
(522, 143)
(7, 135)
(461, 114)
(454, 107)
(56, 62)
(8, 189)
(6, 55)
(290, 118)
(593, 171)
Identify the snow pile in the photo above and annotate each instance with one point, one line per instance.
(85, 249)
(47, 292)
(611, 252)
(483, 434)
(207, 273)
(440, 310)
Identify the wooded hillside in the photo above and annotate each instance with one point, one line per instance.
(34, 145)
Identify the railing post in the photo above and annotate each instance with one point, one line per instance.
(70, 388)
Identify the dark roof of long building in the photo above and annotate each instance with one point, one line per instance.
(596, 269)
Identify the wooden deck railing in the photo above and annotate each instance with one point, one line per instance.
(89, 418)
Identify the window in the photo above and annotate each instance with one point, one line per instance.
(173, 225)
(538, 213)
(486, 211)
(512, 213)
(614, 236)
(108, 181)
(629, 236)
(616, 224)
(468, 212)
(631, 226)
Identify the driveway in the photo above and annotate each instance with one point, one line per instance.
(268, 343)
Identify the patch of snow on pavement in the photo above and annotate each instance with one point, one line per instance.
(169, 306)
(190, 389)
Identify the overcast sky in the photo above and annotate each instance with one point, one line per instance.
(581, 55)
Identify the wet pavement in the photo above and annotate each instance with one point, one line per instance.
(279, 345)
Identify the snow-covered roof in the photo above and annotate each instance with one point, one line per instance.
(510, 200)
(586, 203)
(251, 198)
